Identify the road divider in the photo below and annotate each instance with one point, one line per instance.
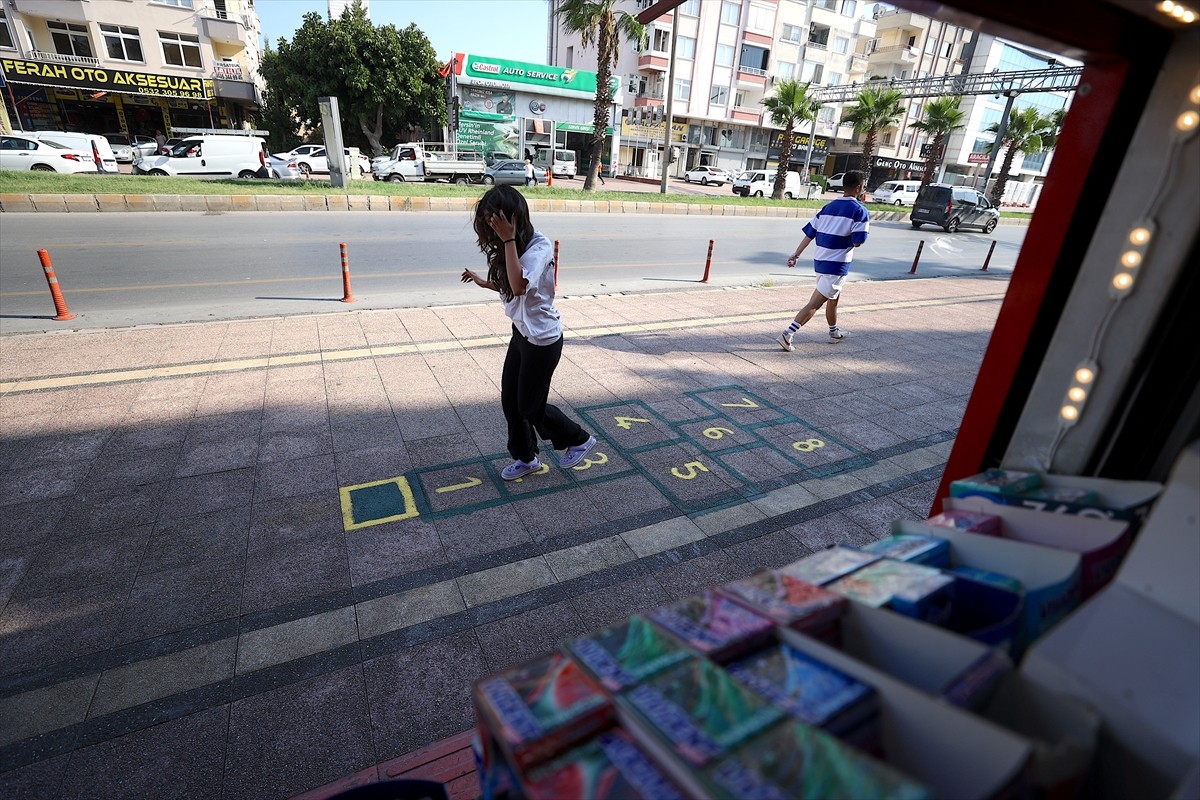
(707, 262)
(60, 305)
(347, 295)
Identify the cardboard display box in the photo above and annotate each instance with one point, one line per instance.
(1133, 652)
(1101, 543)
(1128, 501)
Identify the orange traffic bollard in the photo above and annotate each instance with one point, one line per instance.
(707, 262)
(556, 264)
(550, 177)
(988, 260)
(60, 305)
(347, 295)
(920, 245)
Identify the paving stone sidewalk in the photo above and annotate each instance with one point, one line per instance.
(245, 559)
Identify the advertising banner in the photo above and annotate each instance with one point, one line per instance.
(472, 70)
(488, 134)
(654, 133)
(800, 146)
(75, 76)
(498, 104)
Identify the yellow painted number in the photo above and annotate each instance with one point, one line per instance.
(591, 461)
(746, 403)
(717, 433)
(470, 484)
(694, 468)
(542, 470)
(808, 445)
(627, 422)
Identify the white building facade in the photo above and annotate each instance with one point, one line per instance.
(105, 66)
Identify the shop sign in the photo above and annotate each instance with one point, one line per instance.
(579, 127)
(978, 158)
(66, 94)
(879, 162)
(502, 73)
(227, 72)
(107, 80)
(653, 132)
(799, 146)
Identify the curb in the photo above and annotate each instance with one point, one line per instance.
(218, 203)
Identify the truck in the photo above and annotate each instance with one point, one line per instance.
(411, 161)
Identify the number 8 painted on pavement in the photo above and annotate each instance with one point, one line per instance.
(694, 468)
(808, 445)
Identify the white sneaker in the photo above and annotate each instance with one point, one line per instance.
(573, 455)
(837, 335)
(519, 469)
(785, 342)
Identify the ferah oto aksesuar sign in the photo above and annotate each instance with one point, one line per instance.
(75, 76)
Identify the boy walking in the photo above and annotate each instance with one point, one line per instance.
(837, 228)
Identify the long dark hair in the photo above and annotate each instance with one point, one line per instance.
(507, 201)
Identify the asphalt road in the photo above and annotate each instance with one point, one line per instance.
(133, 269)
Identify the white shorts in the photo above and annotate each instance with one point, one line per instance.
(830, 286)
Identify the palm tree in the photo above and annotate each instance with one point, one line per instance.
(876, 108)
(600, 21)
(1027, 131)
(790, 106)
(942, 118)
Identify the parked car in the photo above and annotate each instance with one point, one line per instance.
(144, 146)
(316, 161)
(98, 146)
(224, 156)
(706, 175)
(302, 150)
(953, 207)
(896, 193)
(122, 147)
(166, 148)
(512, 173)
(761, 183)
(282, 169)
(43, 155)
(834, 184)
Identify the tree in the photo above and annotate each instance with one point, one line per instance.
(942, 117)
(788, 107)
(876, 108)
(1027, 131)
(600, 21)
(385, 79)
(277, 120)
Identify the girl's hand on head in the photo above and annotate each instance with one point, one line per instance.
(502, 226)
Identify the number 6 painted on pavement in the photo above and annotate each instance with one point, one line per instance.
(694, 468)
(717, 433)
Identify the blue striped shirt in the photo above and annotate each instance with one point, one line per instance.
(836, 228)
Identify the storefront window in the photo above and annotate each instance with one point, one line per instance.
(70, 39)
(181, 49)
(6, 37)
(122, 43)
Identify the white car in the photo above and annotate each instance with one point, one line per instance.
(19, 152)
(706, 175)
(315, 161)
(283, 169)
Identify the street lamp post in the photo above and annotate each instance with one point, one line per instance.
(667, 118)
(1000, 129)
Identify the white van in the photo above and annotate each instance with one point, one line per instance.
(562, 165)
(98, 146)
(896, 193)
(761, 183)
(210, 157)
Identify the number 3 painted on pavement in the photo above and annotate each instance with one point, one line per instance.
(600, 458)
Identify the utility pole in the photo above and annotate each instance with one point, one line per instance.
(1000, 129)
(667, 116)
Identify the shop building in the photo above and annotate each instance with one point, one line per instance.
(514, 108)
(104, 66)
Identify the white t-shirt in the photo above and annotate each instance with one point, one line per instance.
(533, 313)
(528, 170)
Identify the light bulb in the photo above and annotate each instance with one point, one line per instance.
(1139, 236)
(1076, 394)
(1122, 281)
(1166, 5)
(1070, 413)
(1084, 375)
(1131, 258)
(1177, 12)
(1194, 95)
(1187, 121)
(1188, 16)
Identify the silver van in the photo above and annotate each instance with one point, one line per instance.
(896, 193)
(98, 146)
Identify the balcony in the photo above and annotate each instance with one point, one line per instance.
(751, 76)
(56, 58)
(746, 114)
(654, 63)
(895, 54)
(225, 31)
(62, 10)
(901, 18)
(649, 99)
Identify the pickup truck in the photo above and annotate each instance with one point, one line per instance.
(412, 162)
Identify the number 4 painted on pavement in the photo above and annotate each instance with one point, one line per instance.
(627, 422)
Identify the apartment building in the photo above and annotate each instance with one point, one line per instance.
(729, 54)
(103, 66)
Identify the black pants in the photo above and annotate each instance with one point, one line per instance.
(524, 389)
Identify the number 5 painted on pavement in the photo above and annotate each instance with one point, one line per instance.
(694, 468)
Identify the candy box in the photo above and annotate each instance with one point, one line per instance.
(619, 656)
(986, 610)
(715, 625)
(911, 589)
(971, 521)
(611, 765)
(793, 760)
(1127, 501)
(807, 688)
(789, 601)
(540, 708)
(996, 481)
(1063, 494)
(696, 711)
(915, 548)
(828, 565)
